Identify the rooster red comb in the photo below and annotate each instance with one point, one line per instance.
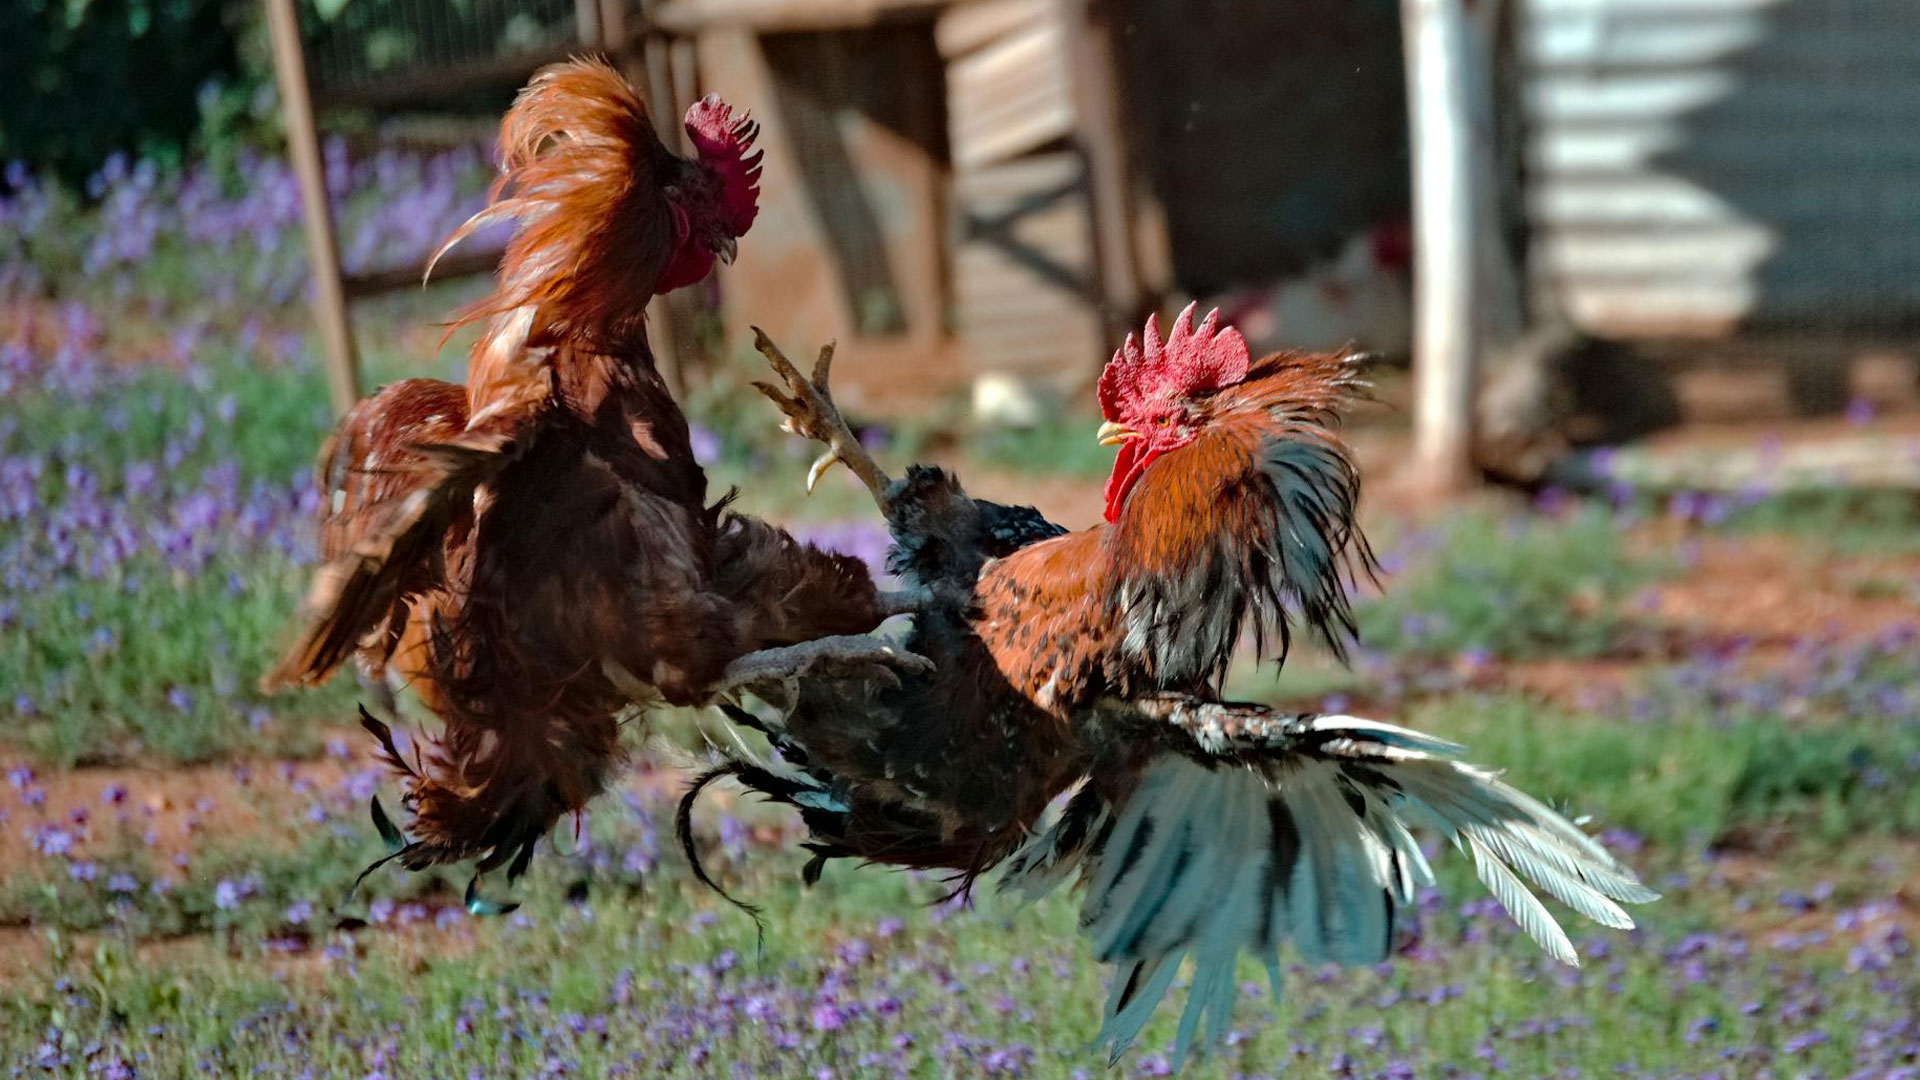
(1187, 362)
(722, 142)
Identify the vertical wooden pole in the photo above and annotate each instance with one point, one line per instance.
(587, 23)
(1443, 230)
(1096, 105)
(323, 258)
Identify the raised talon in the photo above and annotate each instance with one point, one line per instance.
(820, 466)
(811, 413)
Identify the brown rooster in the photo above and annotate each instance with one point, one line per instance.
(1094, 658)
(535, 551)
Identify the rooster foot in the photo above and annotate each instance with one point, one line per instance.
(842, 656)
(811, 414)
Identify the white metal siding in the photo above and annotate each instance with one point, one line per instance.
(1697, 167)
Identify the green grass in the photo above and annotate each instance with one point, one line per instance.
(179, 685)
(157, 651)
(1512, 587)
(1836, 523)
(639, 976)
(1065, 447)
(1689, 781)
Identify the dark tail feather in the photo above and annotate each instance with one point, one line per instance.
(683, 831)
(389, 753)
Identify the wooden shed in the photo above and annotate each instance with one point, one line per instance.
(941, 183)
(964, 193)
(990, 192)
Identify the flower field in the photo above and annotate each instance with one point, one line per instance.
(1728, 687)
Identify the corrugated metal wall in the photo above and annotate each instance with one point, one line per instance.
(1702, 167)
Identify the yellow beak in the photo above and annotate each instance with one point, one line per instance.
(1112, 432)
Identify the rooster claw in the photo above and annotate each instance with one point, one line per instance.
(810, 413)
(855, 656)
(820, 466)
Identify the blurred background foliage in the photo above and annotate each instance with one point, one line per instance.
(168, 81)
(93, 78)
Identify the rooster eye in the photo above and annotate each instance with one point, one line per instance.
(1165, 421)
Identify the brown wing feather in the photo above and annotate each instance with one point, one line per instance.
(392, 512)
(792, 592)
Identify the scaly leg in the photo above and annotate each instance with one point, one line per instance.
(905, 601)
(840, 656)
(812, 414)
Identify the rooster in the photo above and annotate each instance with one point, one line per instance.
(536, 551)
(1090, 662)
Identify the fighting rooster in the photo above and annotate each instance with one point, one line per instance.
(1092, 660)
(535, 551)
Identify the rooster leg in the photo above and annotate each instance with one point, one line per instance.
(905, 601)
(841, 656)
(1240, 728)
(812, 414)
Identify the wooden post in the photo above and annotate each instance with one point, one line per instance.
(1443, 228)
(323, 258)
(1090, 65)
(587, 24)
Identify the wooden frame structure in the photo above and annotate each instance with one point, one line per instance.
(602, 26)
(1093, 249)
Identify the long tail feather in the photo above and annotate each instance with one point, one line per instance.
(1306, 839)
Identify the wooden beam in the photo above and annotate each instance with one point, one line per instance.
(1443, 227)
(411, 89)
(323, 258)
(589, 27)
(458, 263)
(693, 16)
(664, 106)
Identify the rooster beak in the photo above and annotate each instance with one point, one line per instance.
(1113, 432)
(726, 249)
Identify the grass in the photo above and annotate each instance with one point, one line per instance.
(860, 976)
(1066, 447)
(151, 582)
(1835, 523)
(1689, 780)
(1509, 587)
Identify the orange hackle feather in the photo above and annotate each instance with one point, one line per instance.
(581, 174)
